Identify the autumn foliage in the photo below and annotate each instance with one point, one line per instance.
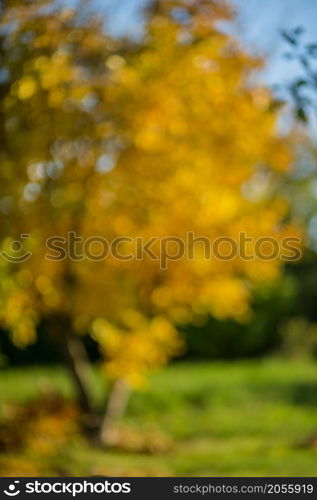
(107, 137)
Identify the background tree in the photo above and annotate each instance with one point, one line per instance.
(299, 186)
(154, 138)
(303, 88)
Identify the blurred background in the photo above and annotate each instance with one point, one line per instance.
(242, 399)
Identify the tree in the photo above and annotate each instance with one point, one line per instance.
(159, 138)
(302, 89)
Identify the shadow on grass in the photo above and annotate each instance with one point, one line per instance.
(304, 394)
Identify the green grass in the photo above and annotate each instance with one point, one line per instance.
(224, 419)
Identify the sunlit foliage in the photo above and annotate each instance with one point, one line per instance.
(159, 138)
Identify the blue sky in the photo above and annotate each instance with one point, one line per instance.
(258, 24)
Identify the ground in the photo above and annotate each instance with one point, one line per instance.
(196, 419)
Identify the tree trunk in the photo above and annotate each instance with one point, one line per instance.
(79, 366)
(75, 357)
(115, 408)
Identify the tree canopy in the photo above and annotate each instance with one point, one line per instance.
(160, 137)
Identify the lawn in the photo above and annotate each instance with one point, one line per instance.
(195, 419)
